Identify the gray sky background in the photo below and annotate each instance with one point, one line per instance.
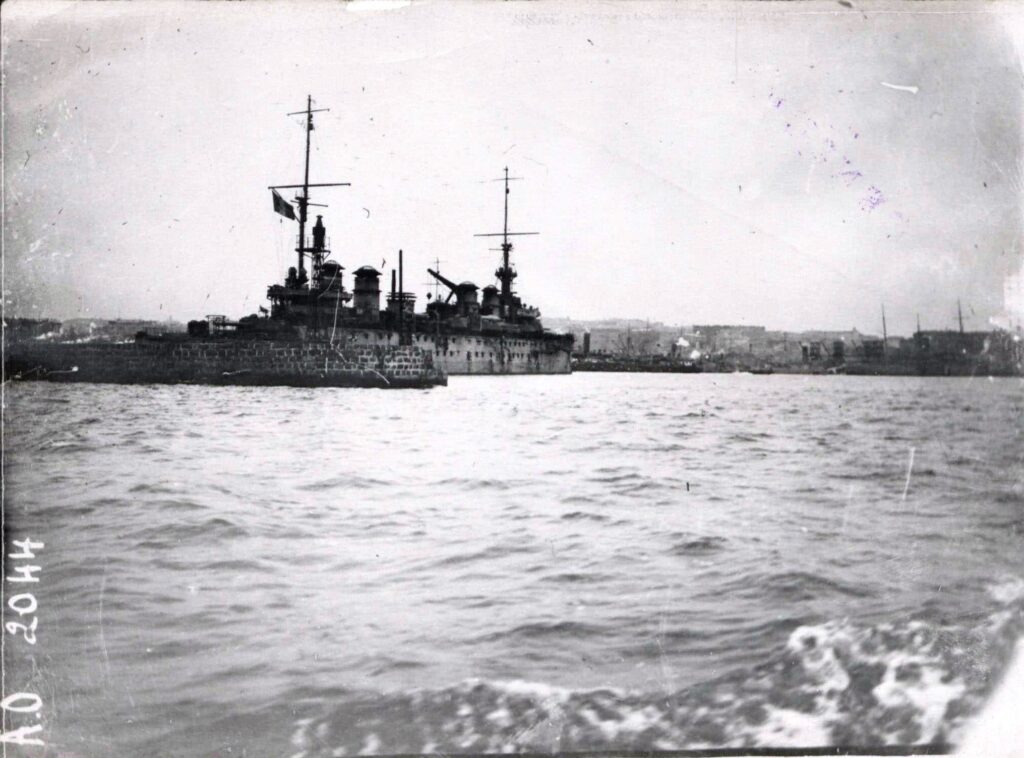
(715, 162)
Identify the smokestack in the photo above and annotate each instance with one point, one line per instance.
(885, 335)
(401, 298)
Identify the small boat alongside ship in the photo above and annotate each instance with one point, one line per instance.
(317, 333)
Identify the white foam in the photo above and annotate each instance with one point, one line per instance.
(625, 721)
(371, 745)
(537, 690)
(928, 695)
(299, 735)
(786, 727)
(820, 660)
(501, 717)
(1008, 591)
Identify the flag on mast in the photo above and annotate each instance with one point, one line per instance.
(283, 207)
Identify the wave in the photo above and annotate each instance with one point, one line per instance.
(541, 630)
(347, 482)
(800, 584)
(575, 577)
(831, 684)
(146, 488)
(792, 586)
(690, 545)
(209, 530)
(581, 515)
(747, 437)
(618, 476)
(489, 554)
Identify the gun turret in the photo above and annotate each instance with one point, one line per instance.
(446, 282)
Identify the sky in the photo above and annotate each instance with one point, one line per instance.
(794, 165)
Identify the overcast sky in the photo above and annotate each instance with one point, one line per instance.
(791, 165)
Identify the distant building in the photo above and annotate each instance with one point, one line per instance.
(727, 338)
(17, 329)
(114, 330)
(957, 352)
(737, 346)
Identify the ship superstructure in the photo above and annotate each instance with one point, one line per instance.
(470, 331)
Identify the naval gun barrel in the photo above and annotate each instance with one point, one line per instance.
(446, 282)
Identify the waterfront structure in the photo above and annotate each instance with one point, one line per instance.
(623, 345)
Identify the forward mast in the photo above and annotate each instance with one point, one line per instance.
(315, 248)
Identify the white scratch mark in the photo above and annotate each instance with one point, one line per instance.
(810, 172)
(103, 639)
(902, 87)
(910, 467)
(846, 507)
(666, 672)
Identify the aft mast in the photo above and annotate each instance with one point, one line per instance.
(506, 273)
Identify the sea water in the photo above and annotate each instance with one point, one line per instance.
(586, 562)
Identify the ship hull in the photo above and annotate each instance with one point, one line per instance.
(226, 361)
(478, 354)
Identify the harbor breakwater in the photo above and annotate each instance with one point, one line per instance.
(226, 360)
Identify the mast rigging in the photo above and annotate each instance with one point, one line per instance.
(506, 273)
(303, 200)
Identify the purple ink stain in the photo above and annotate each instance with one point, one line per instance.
(873, 199)
(778, 103)
(851, 176)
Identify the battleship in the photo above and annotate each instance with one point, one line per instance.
(318, 333)
(488, 331)
(254, 350)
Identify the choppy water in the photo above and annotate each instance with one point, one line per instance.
(533, 563)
